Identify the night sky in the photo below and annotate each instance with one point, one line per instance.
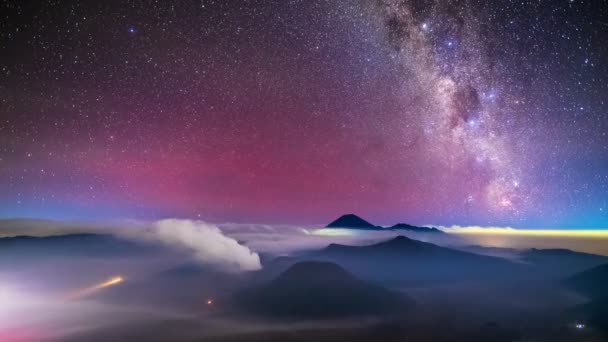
(276, 111)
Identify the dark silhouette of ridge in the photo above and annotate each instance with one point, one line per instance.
(556, 263)
(416, 229)
(562, 252)
(398, 246)
(353, 221)
(560, 263)
(82, 244)
(315, 290)
(592, 283)
(405, 260)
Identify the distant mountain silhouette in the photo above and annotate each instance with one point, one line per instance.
(320, 290)
(398, 246)
(402, 259)
(408, 227)
(352, 221)
(561, 262)
(502, 252)
(555, 263)
(71, 245)
(592, 283)
(401, 246)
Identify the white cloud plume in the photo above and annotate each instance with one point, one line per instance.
(207, 243)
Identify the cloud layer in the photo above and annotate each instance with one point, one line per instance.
(204, 241)
(234, 247)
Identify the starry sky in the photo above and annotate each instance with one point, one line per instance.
(297, 111)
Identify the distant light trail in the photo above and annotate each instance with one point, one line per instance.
(110, 282)
(89, 290)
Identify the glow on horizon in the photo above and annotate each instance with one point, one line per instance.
(333, 232)
(477, 230)
(579, 233)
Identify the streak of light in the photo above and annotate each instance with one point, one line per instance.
(92, 289)
(110, 282)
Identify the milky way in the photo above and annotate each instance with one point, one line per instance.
(429, 112)
(453, 85)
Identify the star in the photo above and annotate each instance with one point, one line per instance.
(255, 113)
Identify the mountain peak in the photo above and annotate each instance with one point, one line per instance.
(402, 238)
(400, 241)
(351, 221)
(398, 244)
(317, 290)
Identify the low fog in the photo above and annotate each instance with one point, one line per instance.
(187, 280)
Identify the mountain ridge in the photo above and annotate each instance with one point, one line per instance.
(319, 289)
(591, 282)
(406, 260)
(352, 221)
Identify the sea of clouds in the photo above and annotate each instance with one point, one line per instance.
(237, 246)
